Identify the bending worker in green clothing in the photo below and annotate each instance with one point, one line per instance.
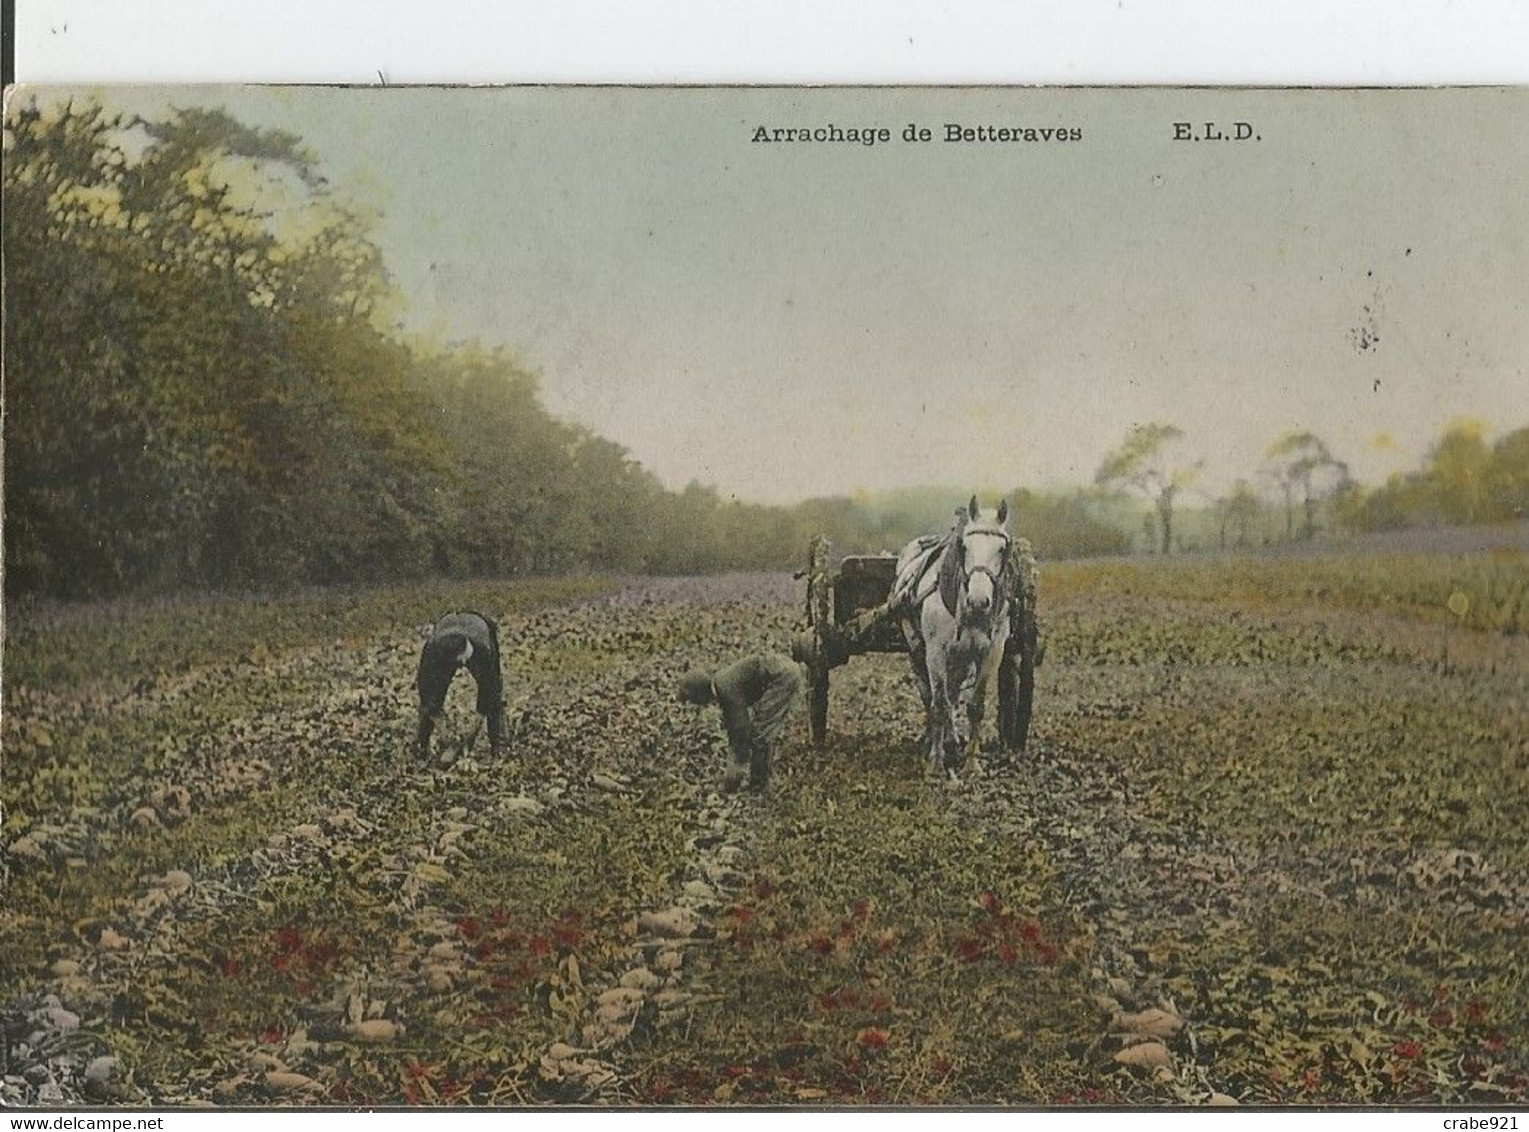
(757, 695)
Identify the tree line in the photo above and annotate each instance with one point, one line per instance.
(205, 388)
(201, 391)
(1463, 481)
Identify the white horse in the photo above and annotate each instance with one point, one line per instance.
(954, 595)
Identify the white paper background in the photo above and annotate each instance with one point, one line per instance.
(1264, 42)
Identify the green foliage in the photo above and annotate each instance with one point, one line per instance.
(1066, 526)
(186, 405)
(1462, 481)
(1353, 752)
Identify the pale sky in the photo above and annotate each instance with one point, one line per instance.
(790, 320)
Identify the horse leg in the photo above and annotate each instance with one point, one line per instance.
(952, 753)
(921, 677)
(931, 709)
(937, 716)
(918, 661)
(976, 708)
(964, 684)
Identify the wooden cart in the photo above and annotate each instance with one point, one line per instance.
(848, 613)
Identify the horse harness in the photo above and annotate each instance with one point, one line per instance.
(996, 579)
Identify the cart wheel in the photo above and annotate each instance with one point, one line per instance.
(1016, 686)
(1016, 675)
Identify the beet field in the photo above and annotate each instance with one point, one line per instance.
(1269, 845)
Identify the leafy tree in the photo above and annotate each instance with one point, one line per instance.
(1146, 462)
(1462, 481)
(620, 494)
(181, 406)
(1064, 526)
(1457, 471)
(1507, 477)
(78, 423)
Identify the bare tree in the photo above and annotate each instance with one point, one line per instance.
(1234, 511)
(1301, 465)
(1145, 462)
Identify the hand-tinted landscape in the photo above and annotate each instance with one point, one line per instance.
(289, 372)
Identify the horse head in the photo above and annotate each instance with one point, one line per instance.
(971, 575)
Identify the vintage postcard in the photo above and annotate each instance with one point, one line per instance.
(765, 597)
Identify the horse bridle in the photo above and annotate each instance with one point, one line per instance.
(996, 579)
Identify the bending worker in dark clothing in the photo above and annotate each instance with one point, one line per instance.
(461, 640)
(757, 695)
